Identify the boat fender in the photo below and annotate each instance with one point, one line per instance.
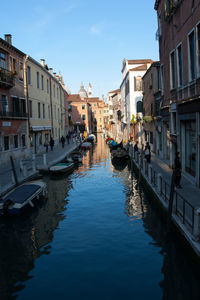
(6, 205)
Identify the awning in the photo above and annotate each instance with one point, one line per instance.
(40, 128)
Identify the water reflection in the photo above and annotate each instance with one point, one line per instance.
(120, 229)
(180, 272)
(25, 238)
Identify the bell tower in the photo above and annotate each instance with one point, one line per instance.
(89, 90)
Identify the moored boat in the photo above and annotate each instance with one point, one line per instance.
(75, 157)
(61, 168)
(22, 197)
(119, 154)
(86, 146)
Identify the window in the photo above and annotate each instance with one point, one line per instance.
(39, 112)
(30, 109)
(94, 104)
(4, 103)
(23, 105)
(12, 64)
(21, 72)
(55, 111)
(127, 87)
(83, 117)
(29, 74)
(23, 140)
(83, 106)
(198, 49)
(43, 111)
(6, 143)
(38, 80)
(15, 105)
(100, 112)
(191, 55)
(138, 83)
(2, 60)
(151, 81)
(42, 82)
(95, 112)
(172, 70)
(47, 86)
(54, 90)
(49, 111)
(157, 81)
(180, 65)
(15, 141)
(57, 93)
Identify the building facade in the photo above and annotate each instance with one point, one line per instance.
(131, 94)
(179, 44)
(151, 108)
(13, 106)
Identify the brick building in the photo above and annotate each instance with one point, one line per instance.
(13, 106)
(179, 47)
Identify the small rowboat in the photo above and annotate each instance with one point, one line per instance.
(22, 197)
(75, 157)
(61, 168)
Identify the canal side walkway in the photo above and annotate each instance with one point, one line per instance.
(28, 168)
(47, 159)
(186, 201)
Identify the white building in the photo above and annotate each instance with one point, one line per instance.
(131, 90)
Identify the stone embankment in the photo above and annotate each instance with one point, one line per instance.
(156, 176)
(29, 168)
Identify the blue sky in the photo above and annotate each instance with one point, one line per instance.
(86, 40)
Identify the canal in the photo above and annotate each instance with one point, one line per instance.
(95, 237)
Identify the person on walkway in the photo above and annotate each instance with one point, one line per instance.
(147, 152)
(51, 143)
(177, 170)
(68, 138)
(46, 144)
(62, 141)
(136, 147)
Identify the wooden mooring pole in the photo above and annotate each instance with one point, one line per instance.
(14, 170)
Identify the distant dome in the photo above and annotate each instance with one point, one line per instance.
(82, 92)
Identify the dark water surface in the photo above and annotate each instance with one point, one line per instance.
(95, 237)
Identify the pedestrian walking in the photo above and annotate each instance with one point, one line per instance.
(62, 141)
(51, 143)
(46, 145)
(177, 170)
(147, 152)
(68, 138)
(136, 147)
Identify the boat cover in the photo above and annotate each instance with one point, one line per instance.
(22, 193)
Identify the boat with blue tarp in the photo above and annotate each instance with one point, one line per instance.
(22, 197)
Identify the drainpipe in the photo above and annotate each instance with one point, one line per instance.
(51, 105)
(27, 95)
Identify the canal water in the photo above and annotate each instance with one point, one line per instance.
(95, 237)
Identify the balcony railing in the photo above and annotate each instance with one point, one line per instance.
(13, 114)
(6, 78)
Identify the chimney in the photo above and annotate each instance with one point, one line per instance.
(8, 38)
(51, 71)
(42, 60)
(54, 74)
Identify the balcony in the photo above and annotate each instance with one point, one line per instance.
(6, 79)
(13, 115)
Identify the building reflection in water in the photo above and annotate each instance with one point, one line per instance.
(180, 273)
(25, 238)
